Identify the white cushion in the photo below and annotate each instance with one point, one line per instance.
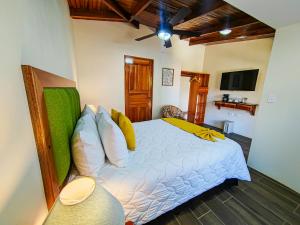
(89, 109)
(113, 140)
(101, 110)
(87, 150)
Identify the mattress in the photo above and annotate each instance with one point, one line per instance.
(168, 168)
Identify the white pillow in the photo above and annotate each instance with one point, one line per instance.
(101, 110)
(113, 140)
(87, 150)
(89, 109)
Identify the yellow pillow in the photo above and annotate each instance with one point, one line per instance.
(128, 131)
(115, 116)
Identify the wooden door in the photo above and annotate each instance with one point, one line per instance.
(138, 88)
(197, 96)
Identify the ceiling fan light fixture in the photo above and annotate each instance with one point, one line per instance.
(225, 31)
(164, 35)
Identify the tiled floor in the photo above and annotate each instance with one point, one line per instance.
(262, 201)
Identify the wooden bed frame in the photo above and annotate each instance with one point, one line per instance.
(35, 81)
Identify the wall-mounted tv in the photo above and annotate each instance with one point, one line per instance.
(239, 80)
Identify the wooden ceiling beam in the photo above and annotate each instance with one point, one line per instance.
(95, 15)
(238, 34)
(202, 8)
(114, 6)
(248, 38)
(239, 22)
(148, 19)
(208, 17)
(140, 7)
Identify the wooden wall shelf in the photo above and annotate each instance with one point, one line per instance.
(242, 106)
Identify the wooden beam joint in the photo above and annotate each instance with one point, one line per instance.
(114, 6)
(139, 8)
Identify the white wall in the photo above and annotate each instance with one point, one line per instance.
(184, 93)
(233, 57)
(100, 48)
(275, 150)
(35, 32)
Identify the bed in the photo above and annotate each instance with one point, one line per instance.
(168, 167)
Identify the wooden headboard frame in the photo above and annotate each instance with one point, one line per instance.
(35, 81)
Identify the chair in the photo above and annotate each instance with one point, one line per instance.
(170, 111)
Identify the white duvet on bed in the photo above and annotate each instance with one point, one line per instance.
(169, 167)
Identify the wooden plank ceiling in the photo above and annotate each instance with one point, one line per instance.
(208, 17)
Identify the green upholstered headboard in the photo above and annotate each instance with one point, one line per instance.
(63, 110)
(54, 109)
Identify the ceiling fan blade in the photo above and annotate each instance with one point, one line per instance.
(168, 43)
(187, 33)
(145, 37)
(180, 15)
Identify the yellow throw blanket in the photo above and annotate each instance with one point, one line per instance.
(202, 132)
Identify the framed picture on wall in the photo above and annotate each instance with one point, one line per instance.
(167, 77)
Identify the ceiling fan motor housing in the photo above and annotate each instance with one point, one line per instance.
(164, 31)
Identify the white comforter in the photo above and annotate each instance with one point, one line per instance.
(169, 167)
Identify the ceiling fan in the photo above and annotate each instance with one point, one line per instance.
(165, 30)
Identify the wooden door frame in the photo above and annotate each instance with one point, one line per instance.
(195, 88)
(125, 82)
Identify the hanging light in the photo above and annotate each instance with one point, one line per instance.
(164, 35)
(225, 31)
(164, 31)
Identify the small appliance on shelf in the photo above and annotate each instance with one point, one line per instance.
(244, 100)
(225, 98)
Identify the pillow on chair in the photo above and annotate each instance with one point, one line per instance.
(87, 150)
(113, 140)
(170, 111)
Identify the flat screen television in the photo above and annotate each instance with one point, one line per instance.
(239, 80)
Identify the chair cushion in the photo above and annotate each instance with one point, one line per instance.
(170, 111)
